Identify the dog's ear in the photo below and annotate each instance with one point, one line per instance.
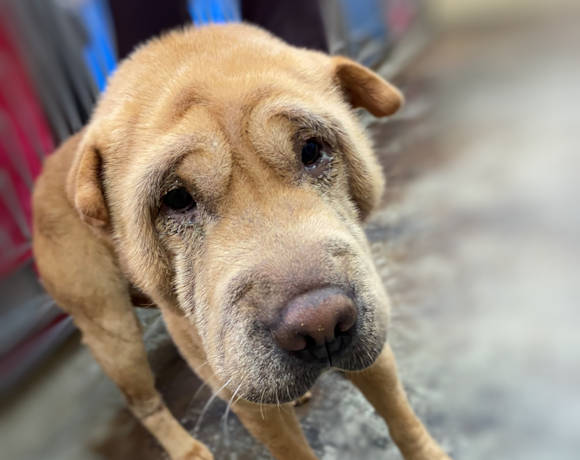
(364, 88)
(84, 183)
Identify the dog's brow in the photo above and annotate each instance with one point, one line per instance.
(184, 102)
(157, 171)
(325, 124)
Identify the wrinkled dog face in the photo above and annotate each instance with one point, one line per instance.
(244, 179)
(282, 228)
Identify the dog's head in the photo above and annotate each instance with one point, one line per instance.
(233, 178)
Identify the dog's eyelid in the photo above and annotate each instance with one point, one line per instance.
(173, 181)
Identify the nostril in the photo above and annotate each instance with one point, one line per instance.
(310, 343)
(346, 323)
(342, 329)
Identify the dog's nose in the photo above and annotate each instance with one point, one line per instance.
(317, 325)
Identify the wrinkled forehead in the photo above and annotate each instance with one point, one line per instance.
(210, 133)
(193, 147)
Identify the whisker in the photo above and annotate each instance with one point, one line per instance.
(206, 407)
(197, 392)
(237, 400)
(200, 366)
(371, 359)
(280, 407)
(262, 405)
(225, 416)
(201, 387)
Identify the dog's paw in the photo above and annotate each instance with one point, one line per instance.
(199, 452)
(302, 399)
(431, 451)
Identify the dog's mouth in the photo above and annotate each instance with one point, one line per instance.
(288, 375)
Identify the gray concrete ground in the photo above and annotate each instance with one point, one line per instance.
(477, 242)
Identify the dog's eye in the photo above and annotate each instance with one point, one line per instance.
(178, 199)
(311, 152)
(314, 158)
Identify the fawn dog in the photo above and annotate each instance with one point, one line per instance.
(224, 178)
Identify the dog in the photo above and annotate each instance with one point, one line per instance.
(224, 178)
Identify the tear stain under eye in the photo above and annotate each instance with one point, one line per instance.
(175, 229)
(322, 172)
(176, 224)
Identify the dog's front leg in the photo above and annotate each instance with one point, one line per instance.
(382, 388)
(276, 427)
(112, 332)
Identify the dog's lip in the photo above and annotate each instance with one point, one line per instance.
(305, 374)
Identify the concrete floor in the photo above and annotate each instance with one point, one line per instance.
(477, 243)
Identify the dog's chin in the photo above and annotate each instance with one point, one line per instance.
(299, 377)
(288, 392)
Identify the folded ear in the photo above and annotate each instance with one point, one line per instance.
(364, 88)
(84, 183)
